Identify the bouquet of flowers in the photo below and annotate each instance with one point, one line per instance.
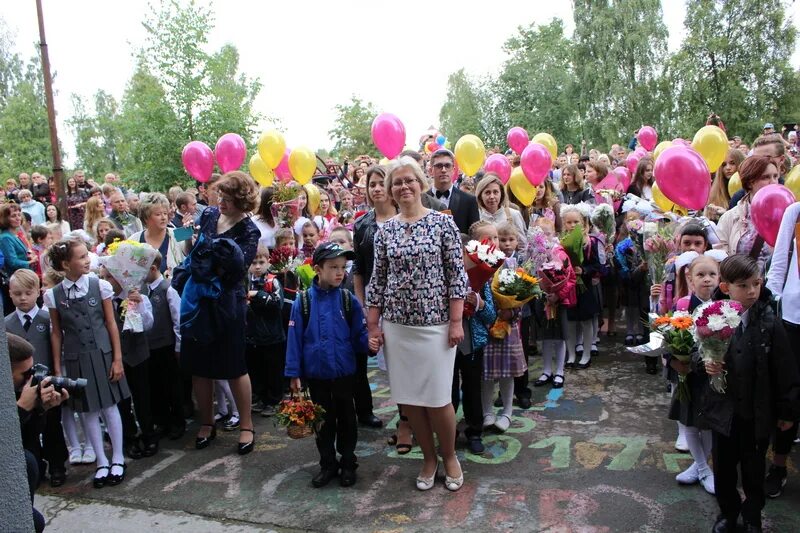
(511, 289)
(715, 323)
(627, 256)
(285, 207)
(283, 259)
(677, 332)
(659, 245)
(129, 262)
(603, 219)
(305, 274)
(572, 242)
(300, 416)
(539, 249)
(557, 277)
(482, 261)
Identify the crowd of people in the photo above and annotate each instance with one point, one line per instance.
(232, 323)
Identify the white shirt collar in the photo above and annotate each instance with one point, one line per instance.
(32, 313)
(82, 284)
(154, 285)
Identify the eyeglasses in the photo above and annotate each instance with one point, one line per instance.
(409, 182)
(443, 166)
(225, 200)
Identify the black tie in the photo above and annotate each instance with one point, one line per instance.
(443, 194)
(117, 303)
(27, 325)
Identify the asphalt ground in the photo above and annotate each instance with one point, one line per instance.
(595, 456)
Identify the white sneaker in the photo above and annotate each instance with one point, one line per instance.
(89, 456)
(75, 455)
(502, 423)
(680, 444)
(488, 421)
(707, 480)
(690, 476)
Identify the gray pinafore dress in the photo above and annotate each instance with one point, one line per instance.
(86, 349)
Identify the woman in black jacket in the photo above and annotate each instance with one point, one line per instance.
(573, 187)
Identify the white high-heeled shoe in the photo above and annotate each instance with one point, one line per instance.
(454, 483)
(426, 483)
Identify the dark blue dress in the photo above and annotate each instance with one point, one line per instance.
(224, 357)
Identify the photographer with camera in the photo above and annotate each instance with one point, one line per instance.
(34, 398)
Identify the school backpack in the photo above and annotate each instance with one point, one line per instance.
(347, 305)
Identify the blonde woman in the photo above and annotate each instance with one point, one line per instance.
(95, 210)
(154, 214)
(493, 203)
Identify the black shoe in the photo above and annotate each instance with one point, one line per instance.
(558, 381)
(775, 480)
(578, 356)
(584, 366)
(57, 477)
(231, 424)
(569, 365)
(100, 482)
(324, 477)
(724, 525)
(752, 528)
(116, 480)
(629, 340)
(371, 421)
(651, 365)
(150, 448)
(257, 407)
(639, 340)
(475, 445)
(246, 447)
(133, 450)
(176, 433)
(203, 442)
(524, 403)
(544, 379)
(348, 477)
(593, 352)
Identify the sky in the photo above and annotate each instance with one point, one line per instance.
(309, 55)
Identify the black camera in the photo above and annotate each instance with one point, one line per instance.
(40, 371)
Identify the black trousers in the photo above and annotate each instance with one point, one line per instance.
(340, 431)
(521, 389)
(740, 449)
(139, 382)
(265, 364)
(783, 440)
(51, 447)
(166, 388)
(362, 393)
(467, 387)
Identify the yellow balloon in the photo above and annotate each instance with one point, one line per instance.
(663, 145)
(547, 140)
(384, 161)
(711, 143)
(521, 187)
(665, 204)
(271, 147)
(302, 164)
(734, 184)
(263, 175)
(792, 181)
(312, 193)
(470, 154)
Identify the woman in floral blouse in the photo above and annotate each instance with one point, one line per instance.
(418, 287)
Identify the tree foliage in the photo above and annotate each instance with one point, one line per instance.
(471, 107)
(96, 135)
(352, 132)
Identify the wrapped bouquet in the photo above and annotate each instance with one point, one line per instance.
(715, 324)
(603, 219)
(659, 246)
(285, 207)
(573, 243)
(283, 259)
(676, 329)
(481, 262)
(129, 262)
(511, 289)
(557, 277)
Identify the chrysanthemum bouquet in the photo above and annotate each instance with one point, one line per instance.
(300, 416)
(511, 289)
(677, 332)
(715, 324)
(659, 245)
(481, 262)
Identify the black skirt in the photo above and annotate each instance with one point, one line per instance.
(686, 412)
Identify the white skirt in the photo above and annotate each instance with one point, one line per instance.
(420, 362)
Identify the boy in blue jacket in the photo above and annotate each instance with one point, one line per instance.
(326, 330)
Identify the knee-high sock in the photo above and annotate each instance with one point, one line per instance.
(507, 392)
(114, 425)
(588, 339)
(487, 396)
(70, 428)
(571, 338)
(91, 424)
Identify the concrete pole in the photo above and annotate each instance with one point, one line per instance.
(15, 511)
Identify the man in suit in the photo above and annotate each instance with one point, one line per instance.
(463, 206)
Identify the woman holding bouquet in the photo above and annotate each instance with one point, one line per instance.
(418, 287)
(223, 356)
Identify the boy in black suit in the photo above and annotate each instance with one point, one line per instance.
(463, 206)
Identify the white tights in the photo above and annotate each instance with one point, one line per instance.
(226, 405)
(506, 391)
(553, 351)
(699, 442)
(91, 423)
(587, 339)
(71, 429)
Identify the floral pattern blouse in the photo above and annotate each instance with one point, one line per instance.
(419, 268)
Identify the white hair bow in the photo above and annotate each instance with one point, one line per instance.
(686, 258)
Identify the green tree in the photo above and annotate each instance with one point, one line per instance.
(734, 62)
(353, 131)
(96, 135)
(471, 107)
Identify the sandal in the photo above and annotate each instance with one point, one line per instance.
(402, 448)
(558, 381)
(544, 379)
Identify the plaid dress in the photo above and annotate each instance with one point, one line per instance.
(504, 358)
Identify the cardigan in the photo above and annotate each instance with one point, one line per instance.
(175, 253)
(14, 252)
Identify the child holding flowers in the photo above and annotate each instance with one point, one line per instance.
(762, 392)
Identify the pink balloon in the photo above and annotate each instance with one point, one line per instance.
(517, 139)
(198, 160)
(498, 164)
(648, 137)
(535, 162)
(624, 176)
(388, 134)
(230, 152)
(610, 182)
(683, 177)
(767, 209)
(632, 161)
(640, 152)
(681, 142)
(282, 170)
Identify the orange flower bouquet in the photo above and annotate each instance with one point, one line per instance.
(677, 332)
(511, 289)
(300, 416)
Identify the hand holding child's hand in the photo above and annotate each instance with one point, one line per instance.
(294, 385)
(374, 344)
(713, 368)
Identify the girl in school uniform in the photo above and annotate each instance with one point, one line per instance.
(85, 343)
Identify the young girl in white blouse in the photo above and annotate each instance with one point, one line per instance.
(86, 344)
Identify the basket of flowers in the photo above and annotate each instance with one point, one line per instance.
(300, 416)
